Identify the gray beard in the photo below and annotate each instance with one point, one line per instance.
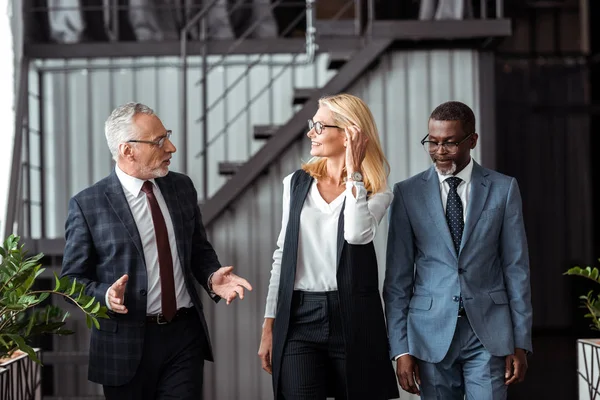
(447, 172)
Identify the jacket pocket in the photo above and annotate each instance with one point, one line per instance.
(499, 297)
(420, 302)
(108, 325)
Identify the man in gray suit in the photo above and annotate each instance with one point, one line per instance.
(456, 289)
(136, 240)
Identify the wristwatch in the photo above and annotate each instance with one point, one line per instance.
(356, 176)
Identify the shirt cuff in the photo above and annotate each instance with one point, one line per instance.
(106, 300)
(211, 292)
(361, 191)
(400, 355)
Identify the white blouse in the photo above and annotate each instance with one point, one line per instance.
(317, 242)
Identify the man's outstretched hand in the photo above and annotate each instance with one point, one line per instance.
(116, 295)
(228, 285)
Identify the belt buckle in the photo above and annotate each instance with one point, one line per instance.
(160, 319)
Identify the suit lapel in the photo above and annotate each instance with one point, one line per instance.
(432, 199)
(167, 189)
(116, 197)
(480, 188)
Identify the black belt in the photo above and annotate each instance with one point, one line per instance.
(159, 319)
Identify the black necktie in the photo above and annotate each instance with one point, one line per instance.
(165, 258)
(454, 212)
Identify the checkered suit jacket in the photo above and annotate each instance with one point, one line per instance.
(103, 243)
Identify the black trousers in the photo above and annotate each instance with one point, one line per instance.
(171, 366)
(314, 360)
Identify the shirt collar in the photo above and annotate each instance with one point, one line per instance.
(465, 174)
(130, 183)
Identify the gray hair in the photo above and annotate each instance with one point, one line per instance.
(118, 127)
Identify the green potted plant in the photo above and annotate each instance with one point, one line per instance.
(588, 350)
(590, 301)
(22, 314)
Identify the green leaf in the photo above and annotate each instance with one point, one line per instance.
(30, 324)
(73, 288)
(65, 316)
(96, 308)
(24, 347)
(89, 303)
(56, 283)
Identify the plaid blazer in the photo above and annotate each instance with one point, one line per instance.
(103, 244)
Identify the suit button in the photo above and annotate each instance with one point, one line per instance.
(461, 270)
(455, 298)
(143, 292)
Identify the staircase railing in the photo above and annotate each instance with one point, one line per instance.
(311, 48)
(15, 204)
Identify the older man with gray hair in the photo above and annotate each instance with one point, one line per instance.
(137, 242)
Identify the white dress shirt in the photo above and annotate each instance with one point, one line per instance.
(143, 220)
(317, 242)
(463, 190)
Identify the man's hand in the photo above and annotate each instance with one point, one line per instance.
(228, 285)
(265, 351)
(408, 374)
(516, 367)
(116, 295)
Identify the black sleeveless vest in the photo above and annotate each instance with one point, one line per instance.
(369, 371)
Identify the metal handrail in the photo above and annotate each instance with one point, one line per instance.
(311, 48)
(15, 195)
(286, 65)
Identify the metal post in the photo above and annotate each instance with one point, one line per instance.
(357, 17)
(483, 5)
(184, 108)
(311, 46)
(499, 9)
(14, 191)
(115, 20)
(201, 16)
(204, 110)
(370, 18)
(41, 156)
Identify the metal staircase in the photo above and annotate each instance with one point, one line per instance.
(236, 106)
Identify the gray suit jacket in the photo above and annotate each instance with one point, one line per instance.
(425, 276)
(103, 243)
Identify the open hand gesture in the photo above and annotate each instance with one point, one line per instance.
(116, 295)
(228, 285)
(356, 148)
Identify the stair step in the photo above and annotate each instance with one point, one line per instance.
(341, 27)
(301, 95)
(230, 167)
(265, 131)
(336, 60)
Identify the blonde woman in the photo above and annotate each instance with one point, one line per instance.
(324, 333)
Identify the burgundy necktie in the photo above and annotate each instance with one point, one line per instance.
(165, 259)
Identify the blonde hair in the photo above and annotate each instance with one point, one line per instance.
(348, 110)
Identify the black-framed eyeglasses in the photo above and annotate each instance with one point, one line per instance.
(319, 126)
(451, 147)
(160, 142)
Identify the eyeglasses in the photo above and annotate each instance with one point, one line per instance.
(160, 142)
(450, 147)
(319, 126)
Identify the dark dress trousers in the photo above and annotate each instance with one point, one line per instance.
(103, 244)
(369, 371)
